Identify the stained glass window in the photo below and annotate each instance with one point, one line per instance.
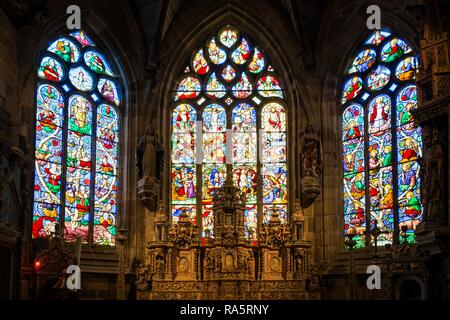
(77, 142)
(227, 100)
(380, 142)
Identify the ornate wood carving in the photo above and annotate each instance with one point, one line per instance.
(228, 266)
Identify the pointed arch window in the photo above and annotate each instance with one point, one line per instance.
(229, 118)
(381, 143)
(78, 101)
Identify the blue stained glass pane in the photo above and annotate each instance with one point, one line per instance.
(379, 113)
(244, 118)
(378, 78)
(274, 183)
(183, 118)
(353, 122)
(394, 49)
(108, 90)
(384, 220)
(80, 115)
(353, 155)
(363, 61)
(81, 79)
(214, 118)
(409, 143)
(66, 49)
(406, 102)
(97, 62)
(50, 69)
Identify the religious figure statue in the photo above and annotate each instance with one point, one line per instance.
(298, 211)
(311, 163)
(160, 214)
(311, 153)
(298, 263)
(159, 264)
(147, 154)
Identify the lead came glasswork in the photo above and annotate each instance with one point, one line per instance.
(189, 88)
(228, 73)
(353, 122)
(229, 83)
(394, 49)
(352, 89)
(97, 62)
(243, 88)
(214, 88)
(378, 78)
(81, 79)
(406, 69)
(82, 38)
(199, 63)
(257, 64)
(108, 90)
(393, 144)
(229, 36)
(50, 69)
(66, 49)
(87, 175)
(363, 61)
(268, 86)
(216, 54)
(241, 53)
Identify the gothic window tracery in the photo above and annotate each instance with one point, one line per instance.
(381, 143)
(78, 101)
(232, 89)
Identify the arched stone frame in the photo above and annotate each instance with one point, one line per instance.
(410, 277)
(181, 45)
(99, 30)
(345, 43)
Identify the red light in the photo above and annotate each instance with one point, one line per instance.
(37, 264)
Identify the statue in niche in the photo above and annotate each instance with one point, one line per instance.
(311, 153)
(298, 211)
(298, 263)
(148, 169)
(434, 177)
(311, 166)
(160, 213)
(147, 155)
(159, 264)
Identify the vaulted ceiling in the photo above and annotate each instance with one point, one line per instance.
(304, 17)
